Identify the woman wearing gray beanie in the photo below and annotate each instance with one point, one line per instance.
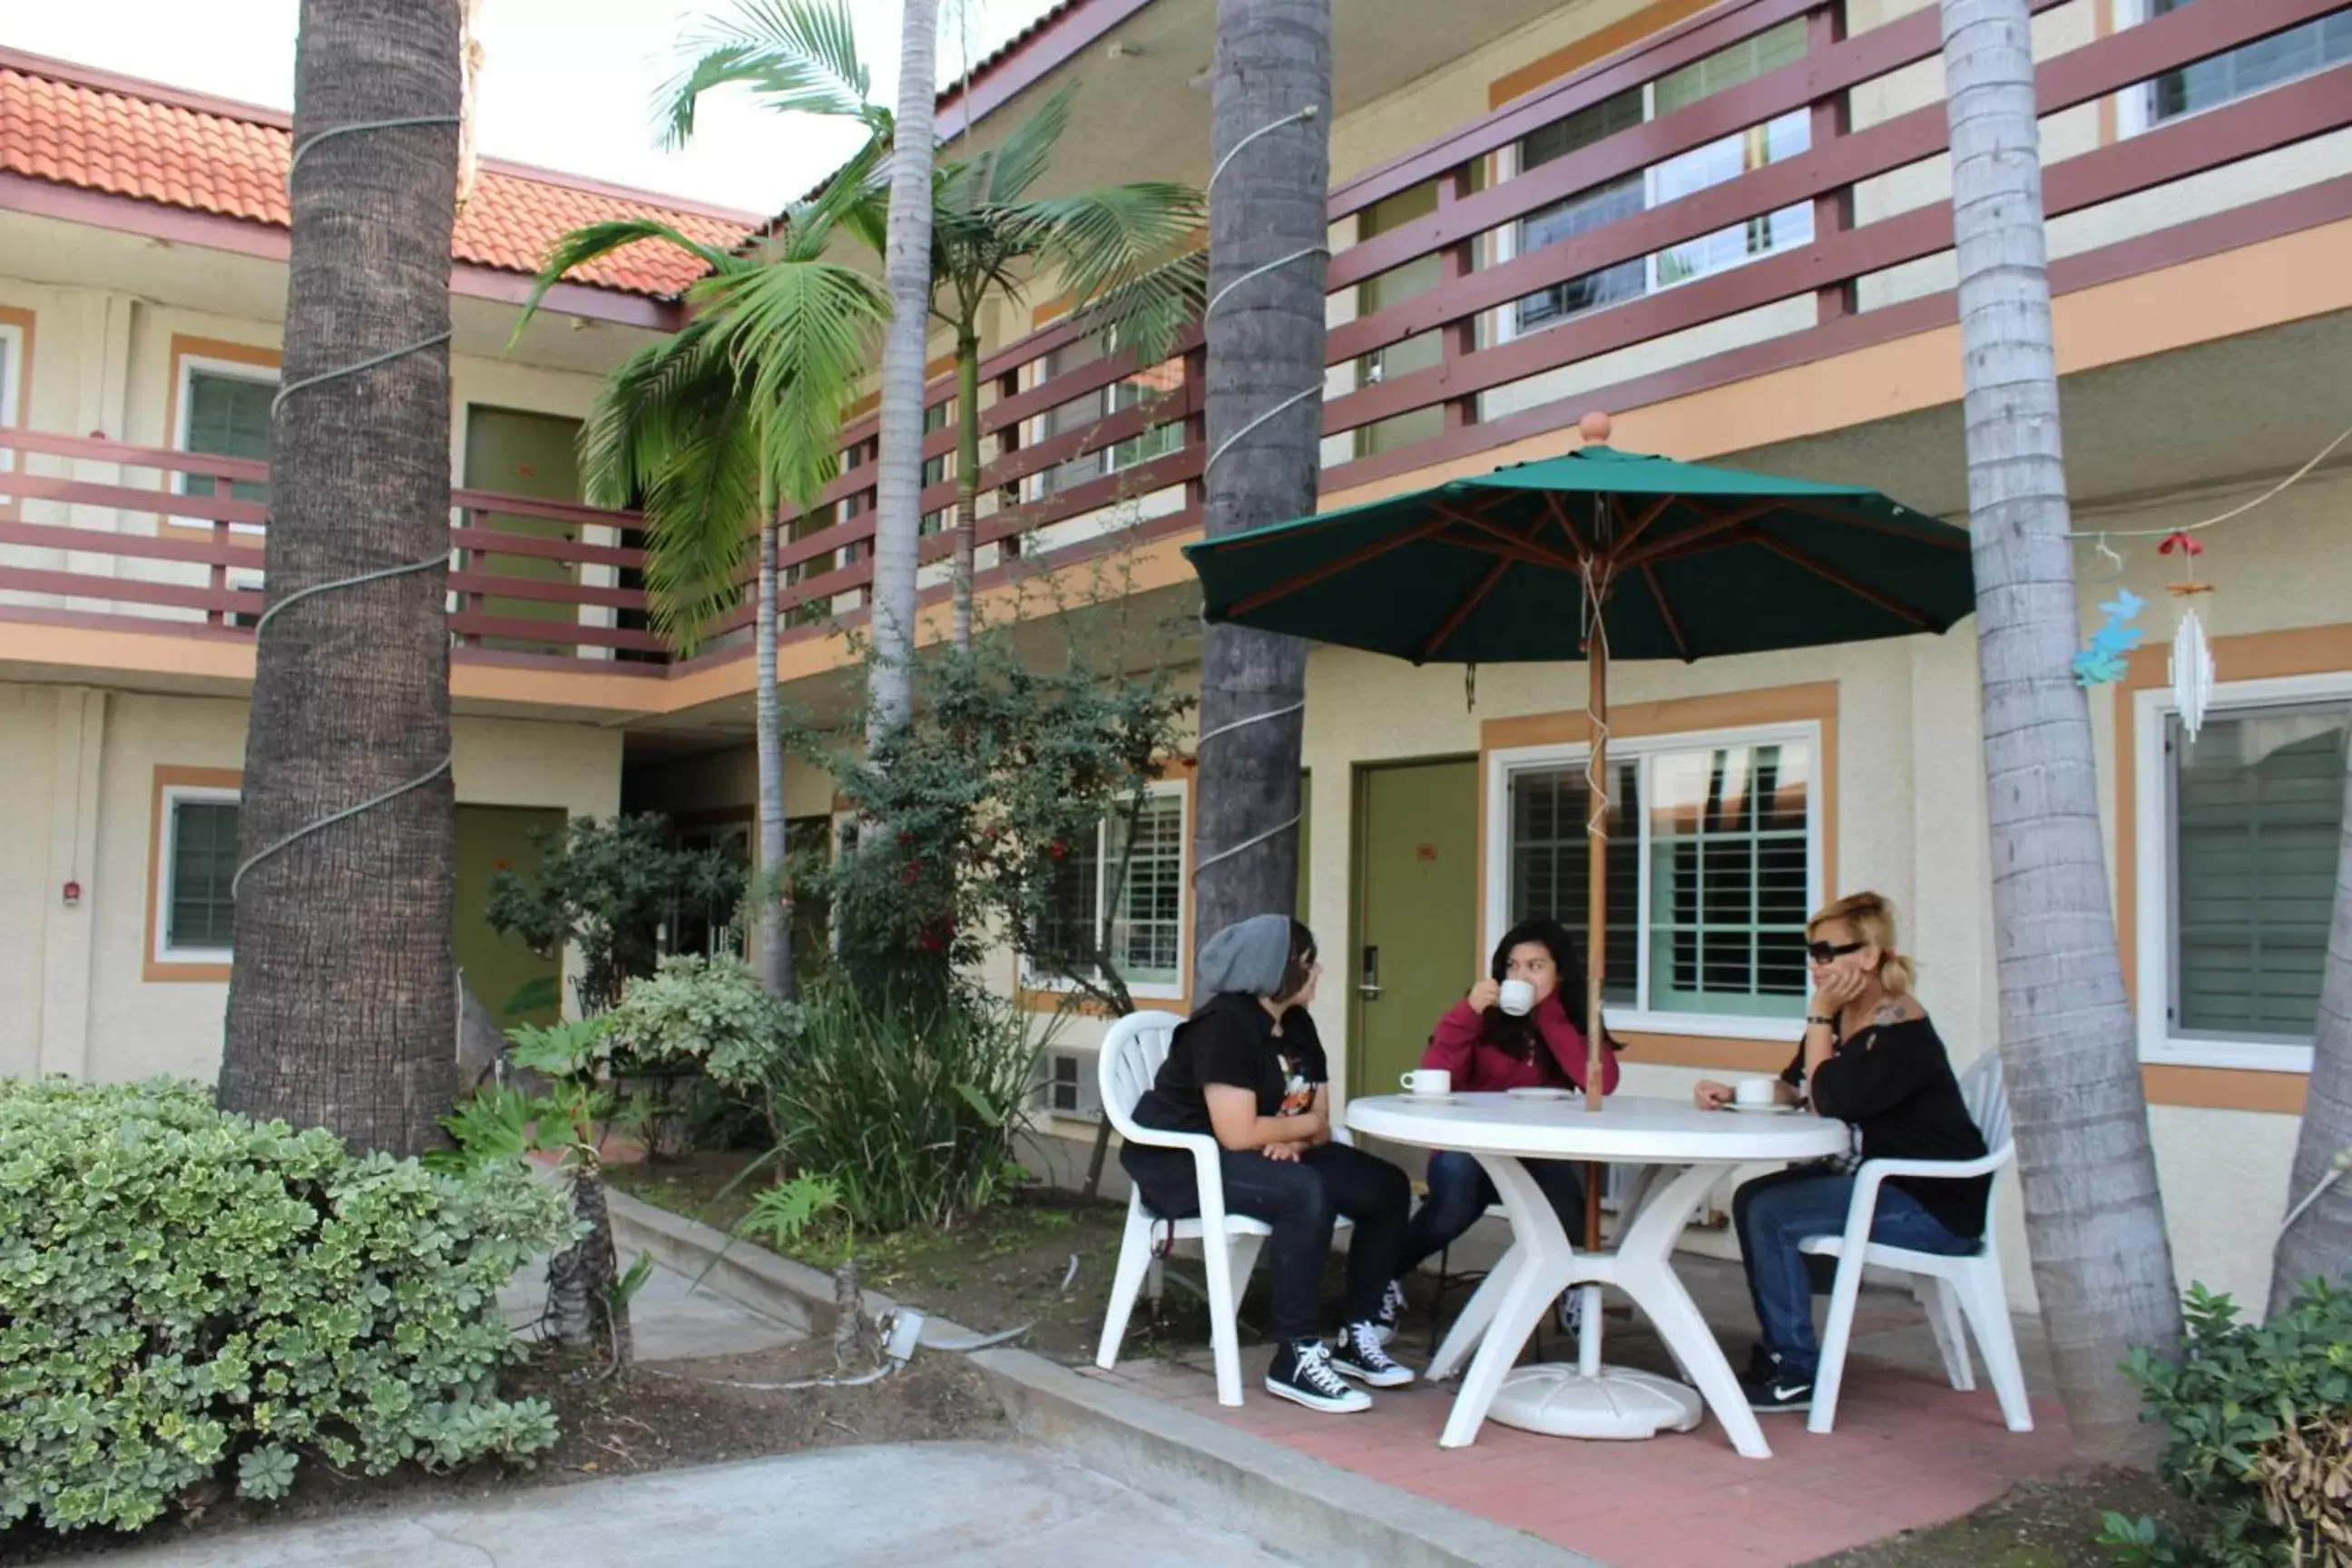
(1247, 1068)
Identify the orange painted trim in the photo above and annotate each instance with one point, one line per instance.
(2225, 1088)
(1814, 704)
(151, 969)
(2253, 656)
(1594, 45)
(1706, 1051)
(23, 321)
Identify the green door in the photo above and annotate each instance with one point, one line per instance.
(492, 838)
(1416, 884)
(514, 452)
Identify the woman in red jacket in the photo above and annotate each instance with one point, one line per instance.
(1487, 1048)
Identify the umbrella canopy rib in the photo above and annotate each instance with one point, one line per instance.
(1465, 610)
(1523, 547)
(1348, 562)
(1666, 613)
(1859, 589)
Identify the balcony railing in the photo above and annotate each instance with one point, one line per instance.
(96, 532)
(1791, 211)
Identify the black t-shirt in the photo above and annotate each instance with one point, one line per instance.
(1895, 1084)
(1231, 1040)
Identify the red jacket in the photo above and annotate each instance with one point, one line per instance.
(1459, 1047)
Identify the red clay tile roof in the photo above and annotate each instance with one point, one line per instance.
(61, 123)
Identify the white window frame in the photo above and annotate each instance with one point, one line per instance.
(1502, 764)
(2153, 835)
(167, 847)
(2136, 105)
(183, 402)
(1032, 979)
(11, 375)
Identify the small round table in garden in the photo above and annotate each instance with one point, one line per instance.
(1691, 1149)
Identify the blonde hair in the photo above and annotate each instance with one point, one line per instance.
(1872, 915)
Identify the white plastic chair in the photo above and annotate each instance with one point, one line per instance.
(1129, 1059)
(1951, 1289)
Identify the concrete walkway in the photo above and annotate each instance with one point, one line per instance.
(977, 1503)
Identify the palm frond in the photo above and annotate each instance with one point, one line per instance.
(669, 433)
(801, 333)
(797, 57)
(586, 244)
(1125, 254)
(1023, 156)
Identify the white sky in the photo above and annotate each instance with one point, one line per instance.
(566, 84)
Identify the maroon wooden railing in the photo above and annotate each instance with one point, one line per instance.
(828, 567)
(1828, 269)
(66, 538)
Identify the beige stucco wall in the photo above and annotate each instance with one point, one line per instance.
(101, 362)
(73, 994)
(1910, 820)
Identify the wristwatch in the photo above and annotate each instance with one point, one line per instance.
(1812, 1018)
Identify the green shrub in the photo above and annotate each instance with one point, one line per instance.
(706, 1013)
(182, 1290)
(911, 1110)
(2258, 1430)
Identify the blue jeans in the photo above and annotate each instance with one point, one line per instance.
(1773, 1214)
(1459, 1190)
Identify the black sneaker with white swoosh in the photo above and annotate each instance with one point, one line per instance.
(1774, 1388)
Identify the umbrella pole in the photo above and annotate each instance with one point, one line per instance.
(1596, 957)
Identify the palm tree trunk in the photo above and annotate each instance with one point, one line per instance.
(1264, 349)
(340, 993)
(907, 272)
(776, 878)
(967, 476)
(2094, 1220)
(2318, 1242)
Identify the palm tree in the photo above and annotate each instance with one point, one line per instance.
(899, 476)
(1119, 254)
(2094, 1220)
(2317, 1242)
(1272, 92)
(342, 990)
(710, 427)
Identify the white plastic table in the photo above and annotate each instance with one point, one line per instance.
(1500, 1131)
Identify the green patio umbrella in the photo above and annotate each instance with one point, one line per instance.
(1667, 559)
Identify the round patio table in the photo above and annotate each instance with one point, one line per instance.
(1689, 1147)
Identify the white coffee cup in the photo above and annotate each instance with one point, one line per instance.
(1517, 998)
(1755, 1092)
(1427, 1081)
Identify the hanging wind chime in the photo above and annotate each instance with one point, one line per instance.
(2192, 659)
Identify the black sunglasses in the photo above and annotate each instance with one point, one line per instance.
(1823, 951)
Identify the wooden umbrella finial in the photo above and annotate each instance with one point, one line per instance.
(1594, 427)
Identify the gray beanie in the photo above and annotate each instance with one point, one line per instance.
(1248, 956)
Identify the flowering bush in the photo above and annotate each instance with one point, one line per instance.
(184, 1292)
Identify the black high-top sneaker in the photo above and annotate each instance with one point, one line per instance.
(1302, 1373)
(1391, 1312)
(1359, 1355)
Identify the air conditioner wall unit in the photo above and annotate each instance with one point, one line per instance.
(1068, 1086)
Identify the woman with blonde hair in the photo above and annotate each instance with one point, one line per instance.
(1869, 1058)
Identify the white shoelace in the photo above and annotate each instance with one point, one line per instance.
(1314, 1368)
(1366, 1344)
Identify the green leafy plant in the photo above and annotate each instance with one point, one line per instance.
(2258, 1431)
(703, 1012)
(182, 1290)
(978, 805)
(912, 1109)
(608, 887)
(781, 1216)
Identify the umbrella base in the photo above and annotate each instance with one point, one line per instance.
(1617, 1403)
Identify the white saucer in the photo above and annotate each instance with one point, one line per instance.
(1411, 1098)
(1759, 1110)
(1540, 1093)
